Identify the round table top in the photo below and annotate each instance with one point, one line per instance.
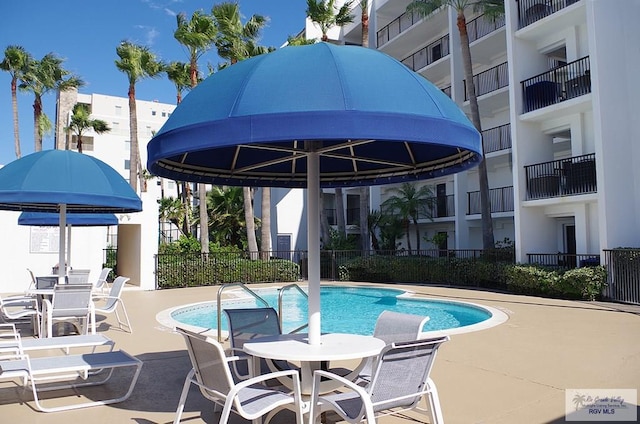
(332, 347)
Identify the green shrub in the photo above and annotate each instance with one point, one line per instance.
(580, 283)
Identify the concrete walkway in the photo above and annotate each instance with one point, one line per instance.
(516, 372)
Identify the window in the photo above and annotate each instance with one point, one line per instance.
(127, 145)
(164, 114)
(118, 110)
(127, 164)
(153, 113)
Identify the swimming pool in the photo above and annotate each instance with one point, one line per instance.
(352, 309)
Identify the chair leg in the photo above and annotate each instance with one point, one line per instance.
(434, 404)
(183, 396)
(126, 321)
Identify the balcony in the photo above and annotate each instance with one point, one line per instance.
(501, 200)
(557, 85)
(479, 27)
(396, 27)
(352, 216)
(439, 207)
(530, 11)
(564, 177)
(428, 55)
(490, 80)
(497, 138)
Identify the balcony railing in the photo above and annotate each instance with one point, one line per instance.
(497, 138)
(501, 200)
(352, 216)
(563, 261)
(397, 26)
(489, 80)
(429, 54)
(440, 207)
(446, 90)
(481, 26)
(530, 11)
(564, 177)
(557, 85)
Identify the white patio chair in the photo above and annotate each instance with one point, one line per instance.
(78, 276)
(251, 399)
(246, 324)
(390, 327)
(70, 303)
(400, 380)
(101, 283)
(111, 302)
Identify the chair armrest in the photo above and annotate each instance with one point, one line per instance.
(271, 376)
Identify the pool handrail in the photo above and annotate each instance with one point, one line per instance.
(281, 291)
(219, 311)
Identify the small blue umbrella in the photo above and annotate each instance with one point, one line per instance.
(49, 219)
(314, 116)
(62, 181)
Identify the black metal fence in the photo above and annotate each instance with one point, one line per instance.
(489, 80)
(563, 261)
(530, 11)
(501, 200)
(557, 85)
(564, 177)
(623, 275)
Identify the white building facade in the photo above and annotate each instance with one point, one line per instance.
(555, 92)
(135, 236)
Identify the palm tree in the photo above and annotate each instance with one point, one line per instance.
(365, 236)
(299, 41)
(81, 122)
(137, 62)
(41, 77)
(326, 15)
(226, 207)
(15, 62)
(197, 35)
(491, 9)
(172, 210)
(180, 74)
(237, 42)
(410, 203)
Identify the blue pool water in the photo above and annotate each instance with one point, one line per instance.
(344, 310)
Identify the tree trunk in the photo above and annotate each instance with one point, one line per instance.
(364, 219)
(186, 202)
(342, 227)
(408, 233)
(483, 180)
(265, 231)
(415, 222)
(364, 5)
(16, 125)
(252, 244)
(37, 112)
(133, 135)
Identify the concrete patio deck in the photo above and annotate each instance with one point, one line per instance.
(516, 372)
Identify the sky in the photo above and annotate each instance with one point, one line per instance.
(86, 32)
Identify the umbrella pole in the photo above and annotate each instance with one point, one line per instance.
(313, 236)
(62, 225)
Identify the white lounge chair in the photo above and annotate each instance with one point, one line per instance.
(110, 304)
(251, 399)
(400, 380)
(20, 309)
(50, 373)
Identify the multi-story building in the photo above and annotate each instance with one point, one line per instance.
(135, 236)
(554, 81)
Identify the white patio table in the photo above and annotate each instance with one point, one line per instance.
(296, 348)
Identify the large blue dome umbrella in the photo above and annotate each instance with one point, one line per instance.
(314, 116)
(62, 181)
